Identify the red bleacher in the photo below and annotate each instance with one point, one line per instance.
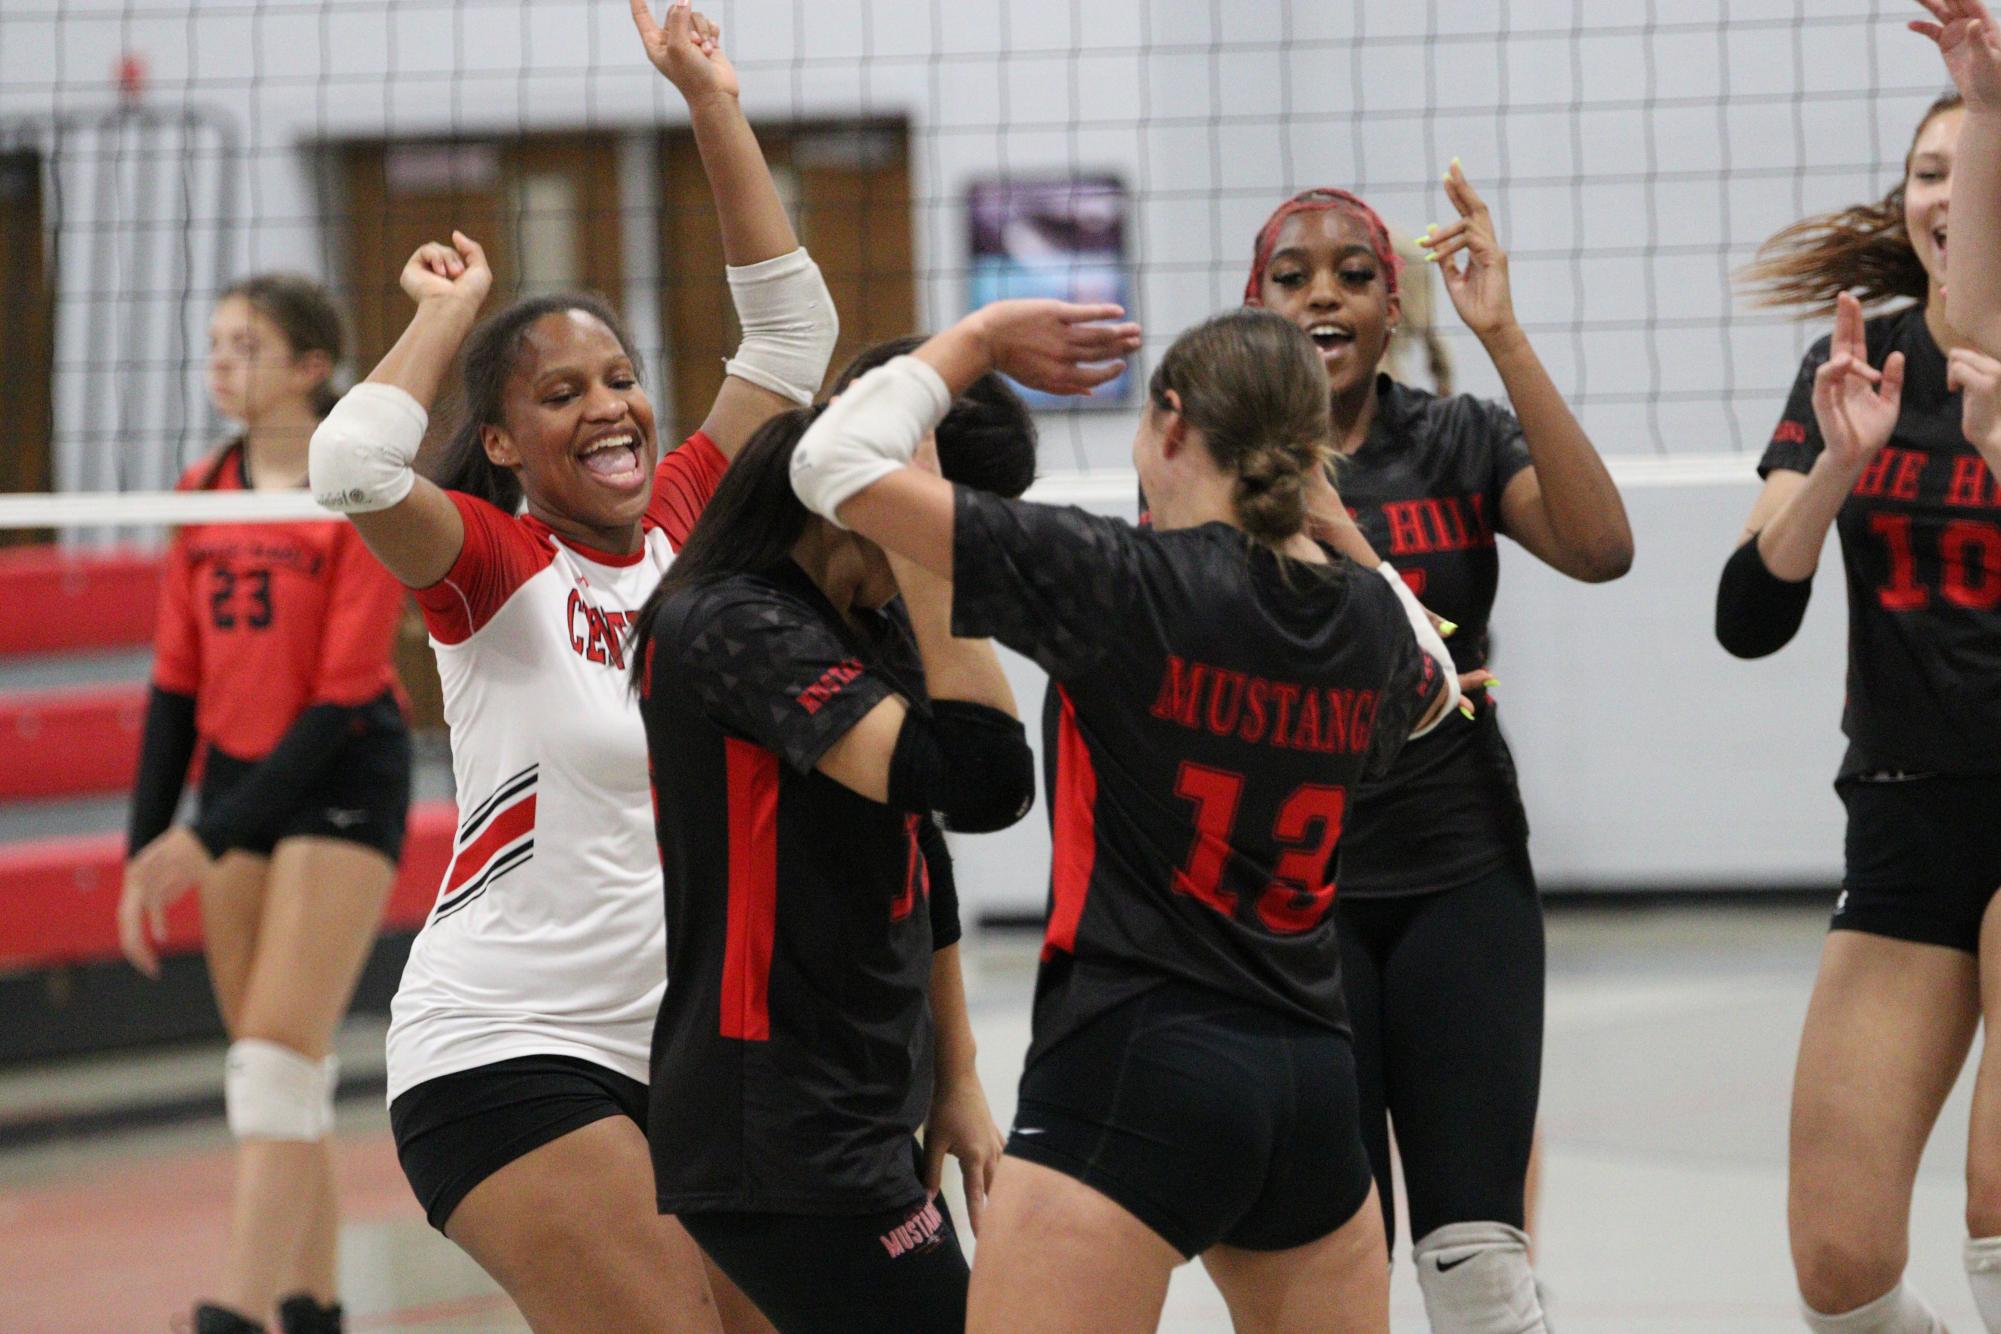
(59, 896)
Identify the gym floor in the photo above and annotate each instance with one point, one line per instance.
(1667, 1069)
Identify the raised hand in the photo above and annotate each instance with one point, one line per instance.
(1057, 346)
(1478, 288)
(1967, 39)
(688, 49)
(456, 273)
(1855, 405)
(1977, 377)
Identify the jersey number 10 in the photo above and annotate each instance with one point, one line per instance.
(1308, 826)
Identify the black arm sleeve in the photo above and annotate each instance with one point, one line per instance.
(1756, 611)
(273, 790)
(945, 929)
(969, 763)
(165, 750)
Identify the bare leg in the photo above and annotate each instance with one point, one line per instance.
(1885, 1036)
(323, 900)
(1056, 1256)
(570, 1230)
(1336, 1285)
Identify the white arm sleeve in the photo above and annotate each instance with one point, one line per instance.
(1428, 643)
(362, 453)
(789, 324)
(870, 431)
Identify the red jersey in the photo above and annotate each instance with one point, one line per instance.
(261, 621)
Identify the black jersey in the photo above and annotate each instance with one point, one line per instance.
(792, 1060)
(1425, 489)
(1216, 707)
(1921, 543)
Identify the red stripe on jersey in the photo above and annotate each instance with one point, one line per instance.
(682, 485)
(1075, 834)
(506, 826)
(752, 784)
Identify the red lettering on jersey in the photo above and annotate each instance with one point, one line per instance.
(1910, 467)
(1226, 701)
(1306, 736)
(1870, 483)
(1972, 483)
(616, 623)
(573, 611)
(1180, 692)
(1300, 893)
(1257, 718)
(1790, 433)
(814, 697)
(1284, 692)
(1903, 592)
(1971, 552)
(1407, 535)
(1416, 578)
(594, 621)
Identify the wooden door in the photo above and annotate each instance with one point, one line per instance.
(27, 334)
(849, 190)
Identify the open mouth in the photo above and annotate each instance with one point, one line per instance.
(1330, 337)
(1938, 239)
(614, 459)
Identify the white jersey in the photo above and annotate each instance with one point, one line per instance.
(549, 933)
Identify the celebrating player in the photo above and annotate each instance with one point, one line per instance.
(1441, 927)
(1871, 444)
(801, 739)
(1224, 683)
(518, 1048)
(272, 654)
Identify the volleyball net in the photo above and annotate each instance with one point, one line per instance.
(937, 155)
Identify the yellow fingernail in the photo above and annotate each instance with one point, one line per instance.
(1430, 228)
(1491, 682)
(1455, 162)
(1466, 708)
(1431, 256)
(1446, 629)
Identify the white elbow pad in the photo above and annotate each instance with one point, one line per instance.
(869, 432)
(789, 325)
(362, 453)
(1429, 643)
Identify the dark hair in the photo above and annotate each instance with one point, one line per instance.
(306, 315)
(753, 520)
(987, 441)
(1323, 200)
(1864, 249)
(1252, 383)
(484, 367)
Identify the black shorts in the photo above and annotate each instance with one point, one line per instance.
(455, 1131)
(1923, 858)
(1209, 1119)
(364, 796)
(899, 1270)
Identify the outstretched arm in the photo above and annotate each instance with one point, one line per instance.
(853, 465)
(1971, 46)
(363, 453)
(1564, 507)
(787, 316)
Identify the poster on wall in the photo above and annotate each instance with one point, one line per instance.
(1052, 236)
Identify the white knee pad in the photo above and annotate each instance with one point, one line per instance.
(272, 1092)
(1983, 1275)
(1898, 1311)
(1476, 1280)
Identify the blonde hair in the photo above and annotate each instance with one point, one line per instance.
(1252, 384)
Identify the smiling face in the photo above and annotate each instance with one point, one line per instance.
(1928, 190)
(1324, 276)
(577, 425)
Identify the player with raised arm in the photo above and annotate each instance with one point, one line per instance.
(805, 728)
(518, 1044)
(1441, 925)
(1224, 682)
(272, 656)
(1871, 444)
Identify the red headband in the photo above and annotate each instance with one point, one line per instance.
(1320, 201)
